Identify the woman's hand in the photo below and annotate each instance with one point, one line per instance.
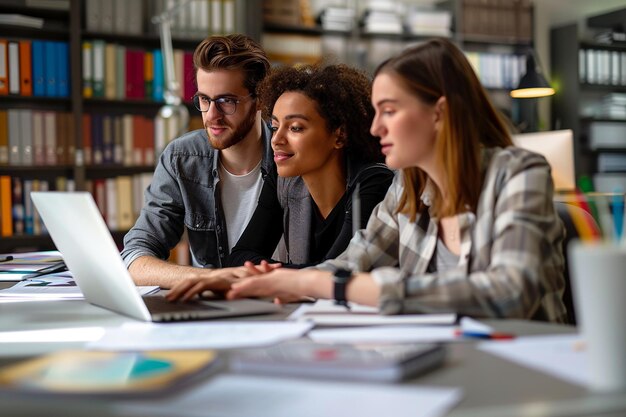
(216, 280)
(284, 285)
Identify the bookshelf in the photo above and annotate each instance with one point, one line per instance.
(119, 119)
(590, 99)
(496, 35)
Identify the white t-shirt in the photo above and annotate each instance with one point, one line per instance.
(240, 194)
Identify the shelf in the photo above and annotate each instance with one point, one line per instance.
(604, 87)
(38, 171)
(102, 171)
(35, 103)
(22, 243)
(140, 41)
(298, 30)
(35, 11)
(605, 46)
(491, 40)
(589, 119)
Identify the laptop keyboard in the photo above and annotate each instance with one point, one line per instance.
(159, 305)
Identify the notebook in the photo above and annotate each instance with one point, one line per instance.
(81, 235)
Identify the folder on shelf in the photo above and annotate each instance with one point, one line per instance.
(26, 136)
(120, 72)
(158, 78)
(110, 57)
(86, 135)
(14, 68)
(51, 69)
(97, 48)
(4, 138)
(39, 154)
(148, 77)
(28, 208)
(6, 218)
(63, 69)
(50, 137)
(38, 64)
(15, 154)
(125, 218)
(87, 52)
(26, 75)
(4, 70)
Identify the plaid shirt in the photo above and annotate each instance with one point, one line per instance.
(511, 262)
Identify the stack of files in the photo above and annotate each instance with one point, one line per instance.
(613, 106)
(59, 286)
(612, 162)
(429, 22)
(15, 267)
(338, 19)
(607, 135)
(382, 22)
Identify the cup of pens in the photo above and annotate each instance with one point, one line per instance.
(598, 273)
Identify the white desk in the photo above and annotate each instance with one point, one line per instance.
(492, 386)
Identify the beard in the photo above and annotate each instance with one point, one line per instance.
(237, 135)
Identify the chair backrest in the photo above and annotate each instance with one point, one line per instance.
(565, 211)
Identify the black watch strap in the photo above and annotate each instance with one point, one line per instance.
(342, 278)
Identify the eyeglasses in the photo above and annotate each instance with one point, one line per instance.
(225, 105)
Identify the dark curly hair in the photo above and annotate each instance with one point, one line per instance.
(342, 95)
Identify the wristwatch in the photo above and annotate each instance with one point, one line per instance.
(341, 279)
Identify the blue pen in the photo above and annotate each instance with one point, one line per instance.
(485, 335)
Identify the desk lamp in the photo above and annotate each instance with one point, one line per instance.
(173, 108)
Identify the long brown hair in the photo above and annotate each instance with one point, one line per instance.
(437, 69)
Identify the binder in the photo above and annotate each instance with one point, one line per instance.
(50, 70)
(26, 76)
(6, 218)
(4, 138)
(63, 69)
(125, 218)
(98, 68)
(15, 153)
(87, 152)
(157, 70)
(87, 69)
(38, 64)
(110, 55)
(26, 136)
(4, 70)
(39, 154)
(120, 72)
(50, 137)
(14, 68)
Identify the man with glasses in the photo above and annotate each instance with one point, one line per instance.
(207, 181)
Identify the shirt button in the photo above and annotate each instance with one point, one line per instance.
(197, 224)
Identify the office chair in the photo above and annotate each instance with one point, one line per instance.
(564, 210)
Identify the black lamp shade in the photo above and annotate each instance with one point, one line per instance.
(533, 84)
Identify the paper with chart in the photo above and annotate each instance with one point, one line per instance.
(59, 286)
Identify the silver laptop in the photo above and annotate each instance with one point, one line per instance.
(81, 235)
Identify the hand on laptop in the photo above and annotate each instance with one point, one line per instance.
(284, 285)
(218, 280)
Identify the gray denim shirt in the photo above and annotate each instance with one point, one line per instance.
(184, 194)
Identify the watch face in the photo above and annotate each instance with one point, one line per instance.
(343, 275)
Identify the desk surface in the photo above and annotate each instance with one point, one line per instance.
(492, 386)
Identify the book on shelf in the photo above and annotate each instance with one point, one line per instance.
(4, 70)
(14, 19)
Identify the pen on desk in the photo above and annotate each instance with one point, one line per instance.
(6, 258)
(356, 209)
(484, 335)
